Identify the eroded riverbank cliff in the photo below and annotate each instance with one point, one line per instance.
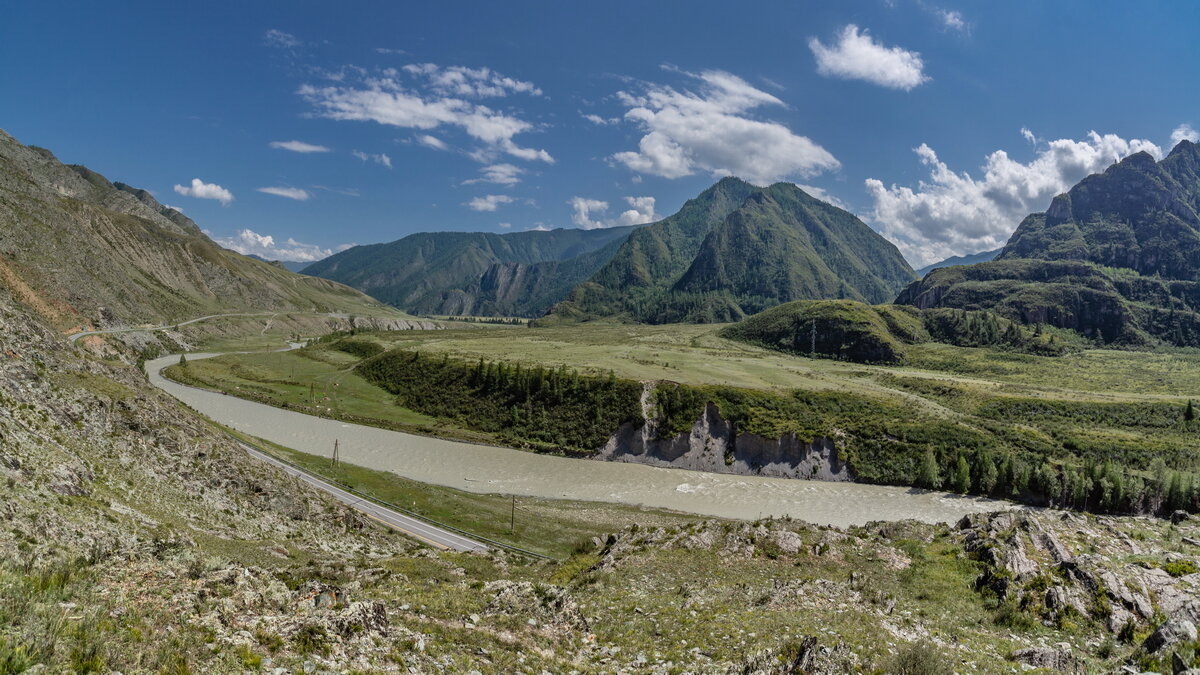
(715, 445)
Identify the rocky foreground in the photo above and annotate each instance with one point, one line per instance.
(136, 538)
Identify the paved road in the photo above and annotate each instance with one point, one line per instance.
(427, 533)
(75, 336)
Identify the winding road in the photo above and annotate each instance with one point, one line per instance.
(430, 534)
(150, 329)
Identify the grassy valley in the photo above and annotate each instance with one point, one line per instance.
(988, 421)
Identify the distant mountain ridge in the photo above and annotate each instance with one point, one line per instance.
(1116, 258)
(474, 273)
(81, 249)
(971, 259)
(737, 249)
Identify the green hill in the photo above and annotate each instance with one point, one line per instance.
(1116, 259)
(79, 249)
(474, 273)
(735, 250)
(840, 329)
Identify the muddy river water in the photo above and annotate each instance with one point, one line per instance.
(487, 469)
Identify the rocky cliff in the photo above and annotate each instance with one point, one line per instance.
(715, 445)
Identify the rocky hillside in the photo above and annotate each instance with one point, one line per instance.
(474, 273)
(735, 250)
(83, 251)
(1116, 259)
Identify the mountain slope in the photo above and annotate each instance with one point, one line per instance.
(479, 273)
(982, 256)
(782, 245)
(80, 249)
(1139, 214)
(654, 257)
(738, 249)
(1117, 258)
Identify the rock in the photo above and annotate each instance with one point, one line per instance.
(1046, 657)
(788, 541)
(1179, 516)
(1171, 632)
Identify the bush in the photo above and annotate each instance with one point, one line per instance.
(919, 658)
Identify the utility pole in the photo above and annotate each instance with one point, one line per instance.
(335, 452)
(512, 523)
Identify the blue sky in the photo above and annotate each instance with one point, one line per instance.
(323, 124)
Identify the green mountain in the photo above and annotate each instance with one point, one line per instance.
(79, 249)
(1117, 258)
(474, 273)
(737, 249)
(982, 256)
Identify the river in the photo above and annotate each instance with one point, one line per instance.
(488, 469)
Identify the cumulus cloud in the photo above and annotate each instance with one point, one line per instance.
(201, 190)
(954, 213)
(1184, 132)
(500, 174)
(249, 242)
(857, 56)
(378, 159)
(290, 193)
(278, 38)
(489, 202)
(177, 208)
(432, 142)
(504, 226)
(641, 211)
(426, 97)
(708, 130)
(298, 146)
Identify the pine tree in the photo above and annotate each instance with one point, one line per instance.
(182, 361)
(929, 476)
(1190, 413)
(962, 475)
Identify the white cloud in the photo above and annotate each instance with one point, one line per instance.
(177, 208)
(823, 195)
(688, 132)
(278, 38)
(378, 159)
(1184, 132)
(952, 19)
(641, 211)
(201, 190)
(954, 213)
(249, 242)
(489, 202)
(601, 121)
(439, 98)
(432, 142)
(298, 146)
(470, 82)
(290, 193)
(504, 225)
(857, 56)
(389, 51)
(500, 174)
